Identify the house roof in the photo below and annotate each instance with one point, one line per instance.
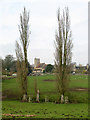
(41, 65)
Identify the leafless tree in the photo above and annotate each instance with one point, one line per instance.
(22, 62)
(63, 54)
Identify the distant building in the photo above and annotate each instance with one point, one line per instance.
(36, 62)
(38, 67)
(87, 66)
(14, 74)
(73, 67)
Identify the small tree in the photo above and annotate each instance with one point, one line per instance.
(22, 62)
(49, 68)
(8, 62)
(63, 45)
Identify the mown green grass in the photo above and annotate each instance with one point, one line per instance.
(46, 110)
(76, 81)
(79, 81)
(11, 88)
(78, 108)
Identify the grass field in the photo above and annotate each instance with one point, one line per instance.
(47, 88)
(77, 108)
(76, 81)
(45, 110)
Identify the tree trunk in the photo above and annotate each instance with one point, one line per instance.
(24, 98)
(66, 99)
(29, 99)
(37, 97)
(62, 98)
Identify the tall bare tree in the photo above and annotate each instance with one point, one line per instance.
(63, 54)
(22, 62)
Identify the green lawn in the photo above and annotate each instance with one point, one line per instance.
(11, 89)
(46, 110)
(78, 107)
(79, 81)
(75, 81)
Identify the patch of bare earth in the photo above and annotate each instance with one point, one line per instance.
(48, 80)
(18, 115)
(78, 89)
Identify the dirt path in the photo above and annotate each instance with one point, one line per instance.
(78, 89)
(12, 115)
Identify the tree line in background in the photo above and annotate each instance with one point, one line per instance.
(9, 66)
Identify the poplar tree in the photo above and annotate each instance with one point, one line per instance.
(21, 53)
(63, 53)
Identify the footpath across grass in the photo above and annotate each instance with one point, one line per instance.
(44, 110)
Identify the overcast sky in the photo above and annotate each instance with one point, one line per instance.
(43, 24)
